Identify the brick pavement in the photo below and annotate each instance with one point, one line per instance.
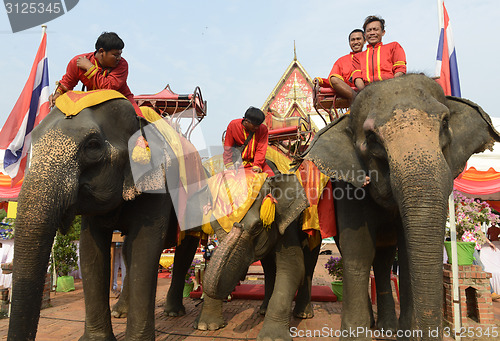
(64, 321)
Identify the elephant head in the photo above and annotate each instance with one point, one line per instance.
(249, 240)
(79, 165)
(412, 141)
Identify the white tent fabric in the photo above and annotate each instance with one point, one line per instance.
(487, 159)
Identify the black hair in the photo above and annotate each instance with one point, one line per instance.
(109, 41)
(355, 31)
(372, 18)
(254, 116)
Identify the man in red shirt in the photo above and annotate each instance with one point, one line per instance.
(340, 77)
(379, 61)
(254, 153)
(103, 69)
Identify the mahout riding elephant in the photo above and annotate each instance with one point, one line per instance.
(80, 165)
(412, 141)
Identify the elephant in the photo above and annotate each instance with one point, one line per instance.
(279, 246)
(412, 141)
(80, 165)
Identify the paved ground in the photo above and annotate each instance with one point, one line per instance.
(65, 319)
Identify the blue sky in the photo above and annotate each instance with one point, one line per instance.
(236, 51)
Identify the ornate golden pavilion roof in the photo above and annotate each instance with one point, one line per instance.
(292, 95)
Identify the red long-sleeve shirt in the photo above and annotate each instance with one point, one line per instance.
(379, 62)
(343, 69)
(255, 151)
(98, 77)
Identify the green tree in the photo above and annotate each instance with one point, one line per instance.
(65, 256)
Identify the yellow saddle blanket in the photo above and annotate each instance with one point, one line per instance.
(72, 102)
(233, 193)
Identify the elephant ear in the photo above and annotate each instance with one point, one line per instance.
(291, 197)
(332, 151)
(471, 132)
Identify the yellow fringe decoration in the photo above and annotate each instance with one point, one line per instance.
(268, 210)
(141, 152)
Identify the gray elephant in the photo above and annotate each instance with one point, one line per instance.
(413, 141)
(80, 165)
(249, 241)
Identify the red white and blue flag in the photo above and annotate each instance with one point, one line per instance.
(446, 66)
(31, 107)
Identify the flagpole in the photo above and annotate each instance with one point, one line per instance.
(54, 272)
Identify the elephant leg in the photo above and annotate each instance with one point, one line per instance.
(289, 274)
(120, 308)
(144, 249)
(269, 266)
(303, 307)
(184, 254)
(210, 317)
(382, 265)
(95, 244)
(357, 236)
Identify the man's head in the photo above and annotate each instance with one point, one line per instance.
(253, 119)
(108, 49)
(374, 28)
(357, 40)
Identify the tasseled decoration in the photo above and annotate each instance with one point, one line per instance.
(141, 153)
(268, 210)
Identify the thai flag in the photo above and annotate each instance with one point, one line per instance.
(31, 107)
(446, 66)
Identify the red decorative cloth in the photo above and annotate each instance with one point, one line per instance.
(379, 62)
(98, 77)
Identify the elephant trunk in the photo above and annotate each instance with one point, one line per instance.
(43, 207)
(422, 198)
(229, 263)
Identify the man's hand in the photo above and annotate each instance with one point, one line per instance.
(83, 63)
(492, 245)
(360, 84)
(367, 181)
(256, 169)
(52, 99)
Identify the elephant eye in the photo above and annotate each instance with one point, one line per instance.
(445, 123)
(375, 146)
(93, 149)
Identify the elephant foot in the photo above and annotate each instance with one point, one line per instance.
(274, 331)
(120, 309)
(86, 337)
(387, 323)
(210, 317)
(302, 312)
(174, 309)
(209, 323)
